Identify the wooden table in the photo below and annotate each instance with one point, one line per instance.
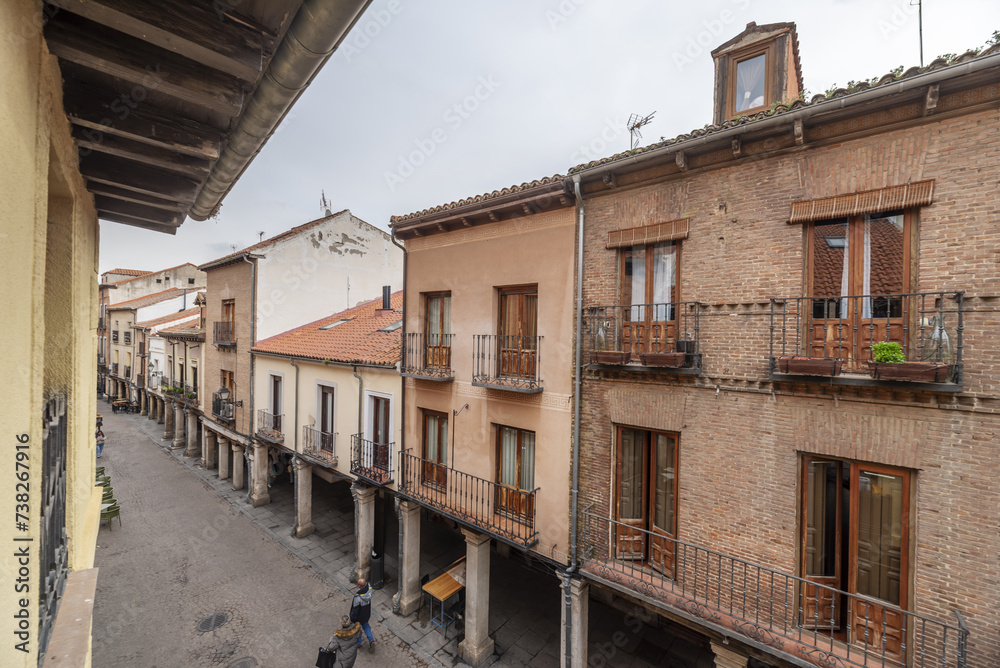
(442, 588)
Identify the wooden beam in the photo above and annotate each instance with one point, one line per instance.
(190, 29)
(135, 222)
(106, 112)
(148, 154)
(737, 145)
(139, 178)
(147, 67)
(681, 161)
(138, 198)
(799, 132)
(138, 211)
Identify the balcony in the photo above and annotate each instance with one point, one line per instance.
(321, 445)
(188, 393)
(114, 368)
(501, 511)
(224, 333)
(832, 337)
(269, 427)
(224, 409)
(371, 461)
(128, 373)
(114, 336)
(507, 362)
(777, 610)
(101, 361)
(428, 357)
(127, 336)
(661, 337)
(154, 381)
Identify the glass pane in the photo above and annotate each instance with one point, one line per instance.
(508, 456)
(829, 270)
(445, 315)
(663, 494)
(634, 281)
(431, 438)
(630, 499)
(527, 460)
(883, 254)
(750, 79)
(821, 519)
(443, 440)
(664, 270)
(433, 320)
(880, 535)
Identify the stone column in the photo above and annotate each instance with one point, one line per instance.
(303, 499)
(142, 402)
(208, 451)
(223, 458)
(192, 433)
(239, 468)
(179, 440)
(153, 402)
(409, 596)
(168, 422)
(579, 593)
(478, 644)
(258, 476)
(364, 529)
(161, 412)
(727, 658)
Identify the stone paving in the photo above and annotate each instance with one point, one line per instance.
(524, 615)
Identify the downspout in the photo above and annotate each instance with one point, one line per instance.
(577, 370)
(361, 402)
(253, 342)
(295, 440)
(402, 425)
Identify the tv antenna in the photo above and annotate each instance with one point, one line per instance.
(260, 236)
(635, 122)
(324, 203)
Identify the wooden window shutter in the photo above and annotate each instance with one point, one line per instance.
(648, 234)
(920, 193)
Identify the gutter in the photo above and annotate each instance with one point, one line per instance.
(315, 33)
(253, 341)
(402, 420)
(906, 85)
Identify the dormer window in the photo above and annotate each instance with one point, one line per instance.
(751, 76)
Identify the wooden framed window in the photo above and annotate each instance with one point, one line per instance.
(750, 80)
(515, 471)
(228, 382)
(437, 330)
(646, 497)
(435, 448)
(229, 311)
(381, 426)
(649, 290)
(326, 406)
(855, 538)
(518, 331)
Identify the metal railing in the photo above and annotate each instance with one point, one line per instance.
(128, 372)
(100, 360)
(428, 355)
(269, 426)
(928, 326)
(127, 336)
(507, 361)
(500, 510)
(320, 443)
(114, 368)
(189, 393)
(53, 556)
(371, 460)
(805, 618)
(114, 336)
(223, 409)
(224, 333)
(663, 335)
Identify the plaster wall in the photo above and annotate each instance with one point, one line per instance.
(140, 286)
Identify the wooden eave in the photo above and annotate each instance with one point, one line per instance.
(152, 89)
(815, 125)
(520, 204)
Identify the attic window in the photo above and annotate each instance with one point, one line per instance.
(751, 75)
(393, 327)
(836, 242)
(336, 322)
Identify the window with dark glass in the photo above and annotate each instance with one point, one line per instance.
(435, 448)
(515, 470)
(518, 331)
(649, 295)
(646, 504)
(438, 330)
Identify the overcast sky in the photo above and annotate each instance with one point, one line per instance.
(431, 101)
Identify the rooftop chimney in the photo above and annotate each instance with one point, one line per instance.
(385, 297)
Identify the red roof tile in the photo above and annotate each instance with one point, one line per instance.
(180, 315)
(148, 300)
(267, 242)
(357, 341)
(478, 198)
(147, 273)
(128, 272)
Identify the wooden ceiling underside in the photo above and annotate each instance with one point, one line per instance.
(152, 89)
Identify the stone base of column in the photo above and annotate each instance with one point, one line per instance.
(407, 606)
(475, 655)
(305, 530)
(728, 658)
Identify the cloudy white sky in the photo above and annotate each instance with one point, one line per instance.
(431, 101)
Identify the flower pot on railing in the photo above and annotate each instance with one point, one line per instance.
(809, 366)
(920, 372)
(675, 359)
(609, 357)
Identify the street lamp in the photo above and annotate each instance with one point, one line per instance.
(224, 395)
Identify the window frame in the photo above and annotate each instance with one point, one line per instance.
(737, 57)
(648, 267)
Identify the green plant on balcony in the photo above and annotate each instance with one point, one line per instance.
(889, 363)
(888, 352)
(192, 395)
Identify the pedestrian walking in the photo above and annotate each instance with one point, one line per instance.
(361, 612)
(344, 642)
(100, 442)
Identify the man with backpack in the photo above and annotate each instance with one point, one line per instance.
(361, 612)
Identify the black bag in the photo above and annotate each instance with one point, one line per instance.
(325, 658)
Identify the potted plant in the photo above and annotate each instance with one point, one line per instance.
(888, 362)
(809, 366)
(600, 354)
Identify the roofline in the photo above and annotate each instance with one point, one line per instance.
(229, 259)
(915, 81)
(149, 274)
(324, 361)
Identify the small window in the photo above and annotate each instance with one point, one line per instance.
(337, 322)
(393, 327)
(751, 76)
(190, 281)
(159, 280)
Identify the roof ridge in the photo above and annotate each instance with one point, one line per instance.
(527, 185)
(276, 238)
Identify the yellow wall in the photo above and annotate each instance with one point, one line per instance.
(48, 295)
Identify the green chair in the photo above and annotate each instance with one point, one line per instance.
(104, 481)
(111, 512)
(108, 494)
(99, 471)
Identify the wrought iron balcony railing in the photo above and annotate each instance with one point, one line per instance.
(428, 356)
(499, 510)
(507, 362)
(827, 336)
(371, 461)
(114, 336)
(269, 426)
(320, 444)
(100, 323)
(114, 368)
(128, 373)
(188, 393)
(224, 409)
(101, 360)
(127, 336)
(648, 335)
(811, 621)
(154, 381)
(224, 333)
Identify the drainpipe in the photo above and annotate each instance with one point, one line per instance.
(361, 402)
(253, 341)
(577, 370)
(295, 457)
(402, 422)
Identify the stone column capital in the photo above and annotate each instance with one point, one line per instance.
(474, 538)
(728, 658)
